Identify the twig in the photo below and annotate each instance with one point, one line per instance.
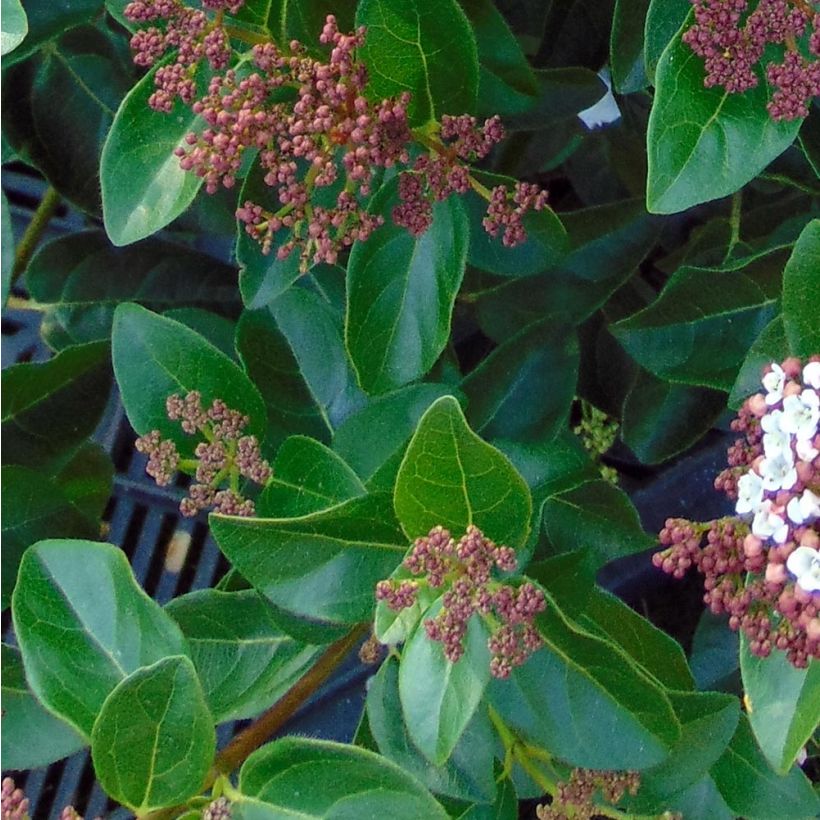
(33, 233)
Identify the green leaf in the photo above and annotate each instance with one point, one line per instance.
(84, 625)
(34, 506)
(598, 516)
(449, 476)
(6, 249)
(49, 408)
(313, 778)
(524, 388)
(661, 419)
(438, 697)
(242, 659)
(420, 46)
(307, 477)
(324, 565)
(82, 278)
(154, 739)
(467, 774)
(700, 328)
(584, 700)
(401, 292)
(754, 790)
(14, 26)
(770, 346)
(783, 704)
(155, 357)
(218, 330)
(626, 46)
(86, 480)
(143, 187)
(32, 737)
(303, 19)
(714, 656)
(704, 143)
(375, 436)
(663, 20)
(801, 314)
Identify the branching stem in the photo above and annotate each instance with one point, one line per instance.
(34, 232)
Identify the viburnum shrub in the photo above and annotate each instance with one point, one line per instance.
(425, 315)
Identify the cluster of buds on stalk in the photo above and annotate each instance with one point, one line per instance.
(222, 459)
(732, 40)
(762, 565)
(576, 797)
(463, 571)
(313, 126)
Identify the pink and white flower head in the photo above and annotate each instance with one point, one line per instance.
(801, 413)
(774, 382)
(811, 375)
(805, 509)
(768, 524)
(804, 564)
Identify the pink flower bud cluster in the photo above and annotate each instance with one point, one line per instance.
(224, 455)
(762, 566)
(506, 213)
(465, 568)
(733, 40)
(187, 31)
(219, 809)
(15, 804)
(576, 797)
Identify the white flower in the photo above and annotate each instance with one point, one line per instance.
(811, 375)
(775, 439)
(749, 493)
(806, 451)
(801, 414)
(804, 564)
(767, 524)
(779, 473)
(774, 382)
(803, 509)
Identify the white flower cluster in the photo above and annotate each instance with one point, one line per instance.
(790, 421)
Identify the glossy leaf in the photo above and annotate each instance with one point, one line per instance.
(438, 697)
(49, 408)
(14, 26)
(218, 330)
(155, 357)
(401, 292)
(32, 737)
(783, 704)
(801, 314)
(449, 476)
(307, 477)
(714, 655)
(84, 625)
(704, 143)
(701, 326)
(626, 45)
(467, 774)
(663, 19)
(82, 278)
(770, 346)
(86, 480)
(318, 779)
(154, 740)
(143, 187)
(524, 388)
(324, 565)
(303, 19)
(418, 46)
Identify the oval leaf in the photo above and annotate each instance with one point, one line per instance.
(801, 314)
(14, 25)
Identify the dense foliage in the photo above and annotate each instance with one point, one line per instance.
(396, 302)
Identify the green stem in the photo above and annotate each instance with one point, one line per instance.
(34, 232)
(244, 36)
(734, 223)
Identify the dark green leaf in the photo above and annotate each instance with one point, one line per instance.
(51, 407)
(6, 249)
(83, 278)
(661, 419)
(663, 20)
(438, 697)
(14, 26)
(714, 656)
(155, 357)
(143, 187)
(32, 737)
(449, 476)
(801, 313)
(324, 565)
(783, 704)
(700, 328)
(319, 779)
(375, 436)
(401, 292)
(524, 388)
(704, 143)
(84, 625)
(218, 330)
(307, 477)
(34, 506)
(468, 773)
(770, 346)
(154, 739)
(86, 480)
(420, 46)
(242, 659)
(303, 19)
(626, 46)
(598, 516)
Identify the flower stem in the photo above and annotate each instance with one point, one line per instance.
(734, 223)
(34, 232)
(245, 36)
